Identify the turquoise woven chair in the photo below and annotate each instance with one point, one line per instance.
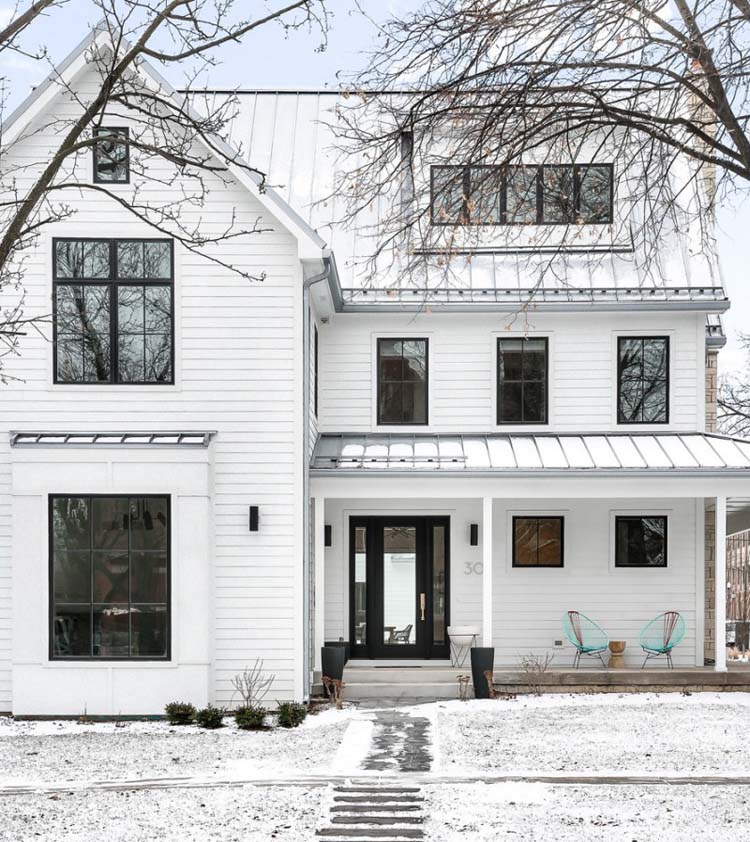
(661, 635)
(587, 637)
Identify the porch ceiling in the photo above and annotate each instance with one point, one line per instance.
(632, 454)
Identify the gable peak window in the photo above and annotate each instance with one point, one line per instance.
(111, 155)
(544, 194)
(402, 381)
(109, 577)
(643, 379)
(522, 380)
(641, 541)
(113, 311)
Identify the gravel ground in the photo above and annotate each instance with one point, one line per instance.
(239, 814)
(67, 751)
(542, 813)
(703, 733)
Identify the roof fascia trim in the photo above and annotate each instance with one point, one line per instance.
(541, 306)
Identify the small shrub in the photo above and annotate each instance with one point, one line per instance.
(210, 717)
(250, 718)
(180, 713)
(291, 714)
(252, 684)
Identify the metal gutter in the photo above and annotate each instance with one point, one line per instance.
(328, 268)
(662, 305)
(532, 473)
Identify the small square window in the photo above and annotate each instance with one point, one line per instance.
(641, 541)
(538, 541)
(111, 156)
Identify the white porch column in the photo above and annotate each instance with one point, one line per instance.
(487, 571)
(720, 583)
(319, 549)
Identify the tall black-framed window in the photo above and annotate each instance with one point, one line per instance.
(641, 541)
(402, 381)
(113, 311)
(547, 194)
(522, 366)
(538, 541)
(643, 380)
(111, 155)
(109, 574)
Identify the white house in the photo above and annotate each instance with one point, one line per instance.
(253, 469)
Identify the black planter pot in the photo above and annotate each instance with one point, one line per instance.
(344, 643)
(482, 661)
(333, 660)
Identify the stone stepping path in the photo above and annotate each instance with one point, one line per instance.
(382, 813)
(401, 743)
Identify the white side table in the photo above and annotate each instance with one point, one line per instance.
(461, 638)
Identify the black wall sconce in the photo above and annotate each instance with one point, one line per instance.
(328, 540)
(474, 534)
(254, 519)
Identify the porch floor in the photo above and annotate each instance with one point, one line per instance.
(400, 684)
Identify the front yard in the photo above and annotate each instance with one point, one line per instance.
(188, 784)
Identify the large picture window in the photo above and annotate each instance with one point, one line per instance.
(402, 381)
(643, 380)
(549, 194)
(538, 541)
(109, 577)
(113, 311)
(522, 381)
(641, 541)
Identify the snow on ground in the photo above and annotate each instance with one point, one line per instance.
(69, 751)
(567, 813)
(666, 733)
(237, 814)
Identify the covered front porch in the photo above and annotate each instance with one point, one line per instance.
(447, 553)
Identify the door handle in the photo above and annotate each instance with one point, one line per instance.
(423, 604)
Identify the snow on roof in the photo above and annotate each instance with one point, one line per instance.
(639, 453)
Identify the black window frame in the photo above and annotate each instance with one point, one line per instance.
(51, 584)
(465, 219)
(546, 421)
(537, 518)
(633, 517)
(113, 281)
(378, 382)
(667, 379)
(126, 142)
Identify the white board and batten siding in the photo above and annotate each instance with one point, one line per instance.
(529, 604)
(238, 351)
(462, 359)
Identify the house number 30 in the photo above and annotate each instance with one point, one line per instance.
(476, 568)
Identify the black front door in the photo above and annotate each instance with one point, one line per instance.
(398, 595)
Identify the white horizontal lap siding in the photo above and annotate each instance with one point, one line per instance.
(6, 536)
(529, 604)
(238, 371)
(462, 378)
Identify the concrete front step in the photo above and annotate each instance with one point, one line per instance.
(361, 692)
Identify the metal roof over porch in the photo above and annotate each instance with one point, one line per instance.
(641, 454)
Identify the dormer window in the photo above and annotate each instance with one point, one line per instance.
(549, 194)
(111, 156)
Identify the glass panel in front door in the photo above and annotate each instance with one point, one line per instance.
(438, 585)
(360, 585)
(399, 585)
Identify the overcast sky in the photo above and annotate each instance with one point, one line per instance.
(274, 59)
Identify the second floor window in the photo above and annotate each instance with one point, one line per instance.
(521, 381)
(402, 381)
(642, 380)
(549, 194)
(111, 156)
(113, 311)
